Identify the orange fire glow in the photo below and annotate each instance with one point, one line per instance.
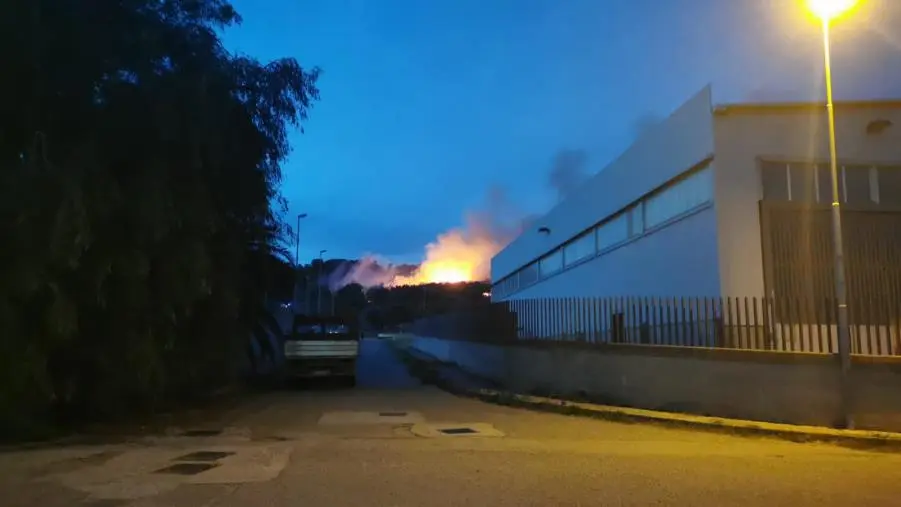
(459, 255)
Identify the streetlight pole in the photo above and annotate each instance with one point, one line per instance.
(319, 285)
(297, 262)
(827, 10)
(297, 240)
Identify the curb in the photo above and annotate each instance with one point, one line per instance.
(858, 439)
(794, 433)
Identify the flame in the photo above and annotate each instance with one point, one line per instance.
(462, 254)
(459, 255)
(456, 273)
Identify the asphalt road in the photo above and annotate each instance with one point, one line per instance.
(393, 442)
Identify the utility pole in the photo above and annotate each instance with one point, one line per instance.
(297, 262)
(319, 285)
(838, 249)
(828, 11)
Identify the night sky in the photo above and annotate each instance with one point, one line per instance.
(427, 104)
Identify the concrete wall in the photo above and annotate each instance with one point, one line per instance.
(487, 361)
(637, 267)
(766, 386)
(665, 151)
(744, 134)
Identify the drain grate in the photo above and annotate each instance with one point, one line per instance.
(457, 431)
(204, 456)
(202, 433)
(392, 414)
(104, 502)
(187, 468)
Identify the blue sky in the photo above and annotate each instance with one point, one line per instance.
(425, 104)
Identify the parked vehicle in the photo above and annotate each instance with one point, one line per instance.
(320, 346)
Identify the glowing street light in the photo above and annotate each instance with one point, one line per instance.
(830, 9)
(827, 11)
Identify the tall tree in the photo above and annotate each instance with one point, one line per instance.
(139, 205)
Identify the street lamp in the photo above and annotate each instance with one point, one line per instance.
(297, 263)
(827, 11)
(297, 239)
(319, 285)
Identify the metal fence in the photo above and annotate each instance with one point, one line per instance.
(748, 323)
(491, 323)
(798, 258)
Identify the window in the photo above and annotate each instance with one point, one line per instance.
(581, 248)
(889, 183)
(613, 232)
(683, 196)
(857, 184)
(805, 182)
(802, 184)
(550, 264)
(528, 275)
(774, 177)
(636, 220)
(824, 184)
(510, 284)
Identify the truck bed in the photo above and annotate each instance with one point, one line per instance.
(301, 349)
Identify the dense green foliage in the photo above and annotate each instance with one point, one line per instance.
(139, 205)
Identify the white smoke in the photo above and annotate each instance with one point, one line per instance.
(568, 172)
(370, 271)
(465, 250)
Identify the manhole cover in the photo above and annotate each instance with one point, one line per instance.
(387, 417)
(187, 468)
(457, 431)
(104, 502)
(202, 433)
(204, 456)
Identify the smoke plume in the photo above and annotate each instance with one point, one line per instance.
(645, 123)
(461, 254)
(568, 172)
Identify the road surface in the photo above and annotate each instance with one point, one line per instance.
(394, 442)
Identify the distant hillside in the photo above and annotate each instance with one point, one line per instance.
(381, 308)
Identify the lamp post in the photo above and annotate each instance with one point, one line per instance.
(827, 11)
(319, 285)
(297, 262)
(297, 240)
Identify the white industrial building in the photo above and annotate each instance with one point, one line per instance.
(713, 201)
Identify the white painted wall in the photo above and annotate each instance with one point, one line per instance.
(677, 260)
(744, 134)
(666, 150)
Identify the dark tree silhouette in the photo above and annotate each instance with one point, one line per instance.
(139, 164)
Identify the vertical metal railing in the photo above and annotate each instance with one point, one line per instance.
(749, 323)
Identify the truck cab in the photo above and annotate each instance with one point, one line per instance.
(320, 346)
